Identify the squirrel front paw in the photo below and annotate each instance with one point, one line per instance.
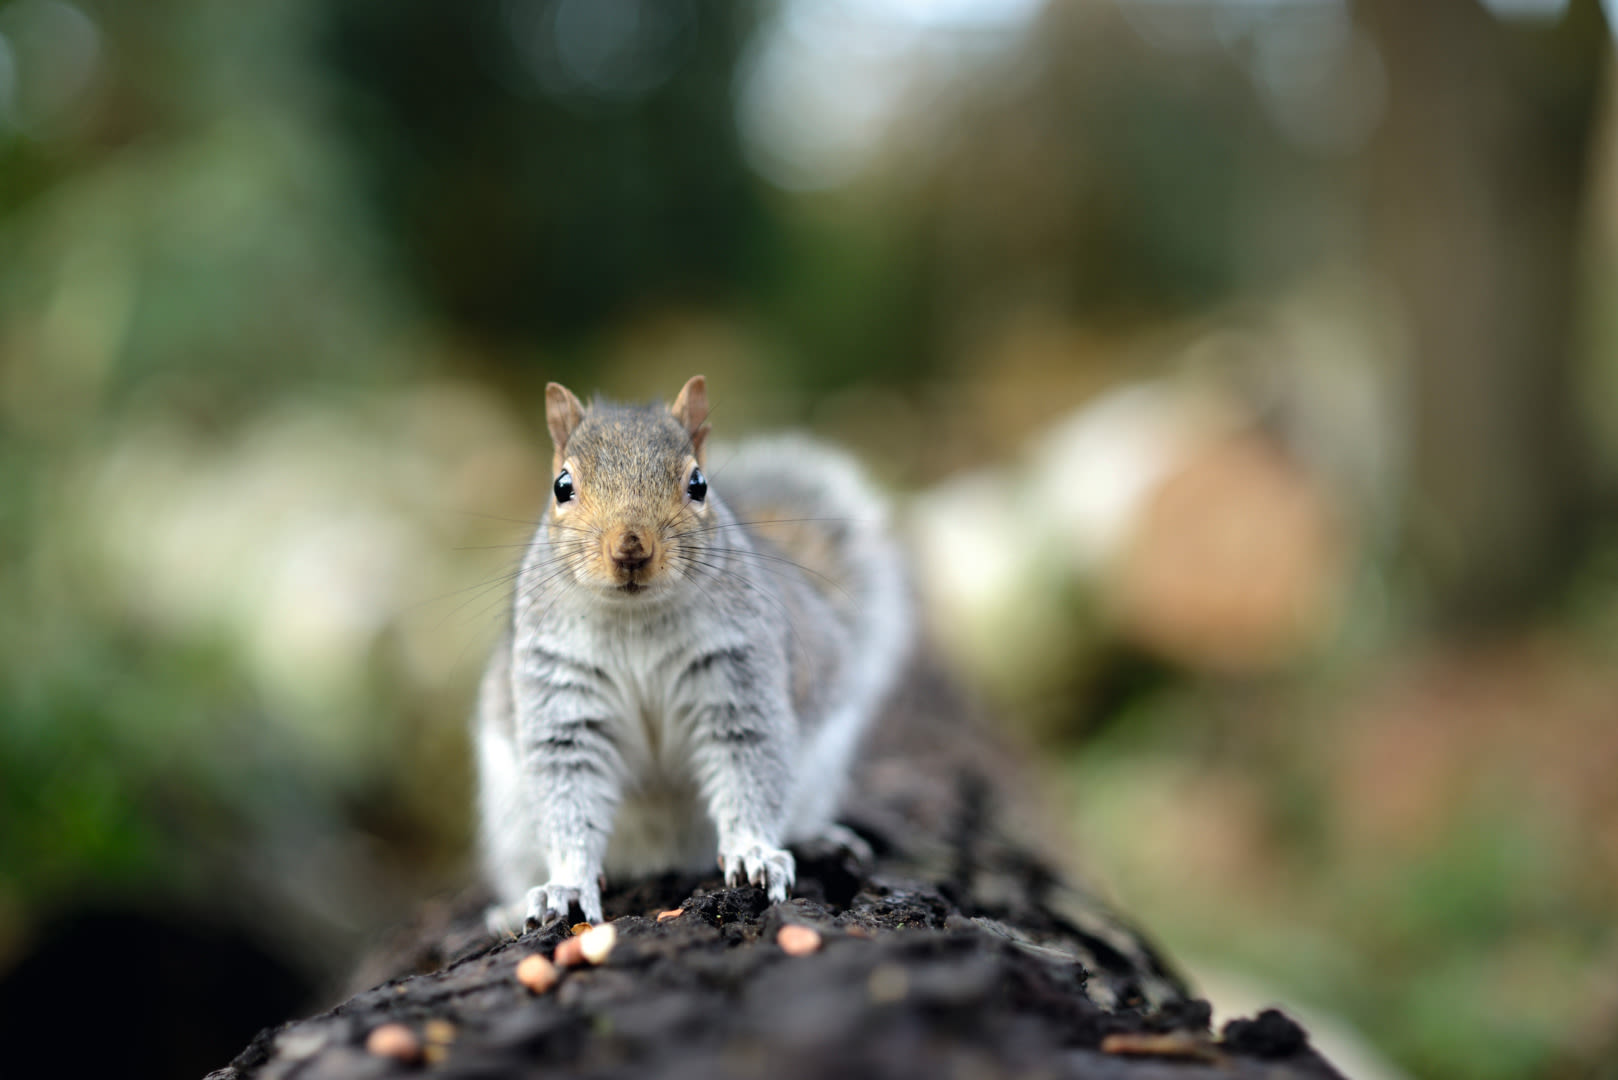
(770, 868)
(554, 900)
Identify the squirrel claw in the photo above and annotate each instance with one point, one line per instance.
(551, 901)
(769, 868)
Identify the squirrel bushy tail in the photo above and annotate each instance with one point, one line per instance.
(810, 504)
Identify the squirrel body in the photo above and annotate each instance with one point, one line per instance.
(688, 670)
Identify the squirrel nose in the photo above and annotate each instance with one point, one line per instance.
(628, 551)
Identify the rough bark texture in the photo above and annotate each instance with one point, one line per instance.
(960, 951)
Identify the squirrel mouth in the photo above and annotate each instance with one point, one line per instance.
(630, 587)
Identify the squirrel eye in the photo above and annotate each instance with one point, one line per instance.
(563, 487)
(697, 488)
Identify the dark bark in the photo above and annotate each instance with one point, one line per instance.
(962, 949)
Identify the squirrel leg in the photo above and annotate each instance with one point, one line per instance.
(742, 756)
(772, 869)
(554, 900)
(571, 770)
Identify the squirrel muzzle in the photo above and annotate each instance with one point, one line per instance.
(631, 551)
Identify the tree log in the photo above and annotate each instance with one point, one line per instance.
(959, 949)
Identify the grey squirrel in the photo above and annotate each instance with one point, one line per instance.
(689, 667)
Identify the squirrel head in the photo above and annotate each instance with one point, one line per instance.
(629, 501)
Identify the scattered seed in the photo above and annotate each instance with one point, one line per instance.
(569, 953)
(536, 973)
(796, 940)
(395, 1041)
(597, 942)
(671, 913)
(578, 928)
(1179, 1044)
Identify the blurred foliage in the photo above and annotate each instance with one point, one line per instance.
(1403, 847)
(544, 167)
(281, 283)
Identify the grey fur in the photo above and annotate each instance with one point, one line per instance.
(714, 711)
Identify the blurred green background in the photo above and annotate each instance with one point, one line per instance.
(1248, 370)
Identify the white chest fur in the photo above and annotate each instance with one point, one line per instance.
(638, 665)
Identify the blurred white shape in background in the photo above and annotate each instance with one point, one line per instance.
(818, 89)
(962, 14)
(309, 541)
(283, 545)
(1093, 471)
(1211, 515)
(996, 602)
(1011, 556)
(824, 81)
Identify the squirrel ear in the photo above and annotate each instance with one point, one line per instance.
(691, 410)
(562, 413)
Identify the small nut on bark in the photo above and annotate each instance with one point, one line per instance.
(395, 1041)
(671, 913)
(537, 973)
(569, 953)
(1176, 1044)
(796, 940)
(596, 943)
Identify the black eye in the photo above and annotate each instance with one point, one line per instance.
(697, 487)
(563, 487)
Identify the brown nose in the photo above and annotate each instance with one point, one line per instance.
(628, 551)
